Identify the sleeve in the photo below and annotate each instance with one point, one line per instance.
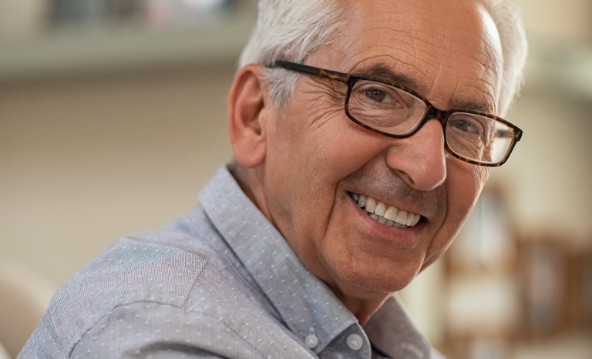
(44, 342)
(147, 330)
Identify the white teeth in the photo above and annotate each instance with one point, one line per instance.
(380, 209)
(370, 205)
(402, 217)
(412, 219)
(389, 216)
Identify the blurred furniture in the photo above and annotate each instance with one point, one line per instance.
(3, 353)
(24, 297)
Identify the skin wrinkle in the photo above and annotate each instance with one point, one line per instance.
(323, 116)
(481, 93)
(488, 69)
(437, 58)
(487, 104)
(315, 94)
(400, 190)
(315, 91)
(480, 176)
(493, 49)
(316, 156)
(488, 64)
(399, 67)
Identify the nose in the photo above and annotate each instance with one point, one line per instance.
(420, 160)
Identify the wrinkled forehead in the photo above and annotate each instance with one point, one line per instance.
(466, 22)
(441, 47)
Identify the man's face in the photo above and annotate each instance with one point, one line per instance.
(318, 162)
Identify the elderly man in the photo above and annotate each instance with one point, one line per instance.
(363, 133)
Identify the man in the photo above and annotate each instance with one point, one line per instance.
(362, 133)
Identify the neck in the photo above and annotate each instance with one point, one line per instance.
(362, 306)
(247, 179)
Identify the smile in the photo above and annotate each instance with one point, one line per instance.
(383, 214)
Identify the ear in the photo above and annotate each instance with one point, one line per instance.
(247, 117)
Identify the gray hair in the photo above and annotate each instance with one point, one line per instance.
(289, 30)
(508, 21)
(294, 29)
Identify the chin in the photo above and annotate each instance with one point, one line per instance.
(381, 282)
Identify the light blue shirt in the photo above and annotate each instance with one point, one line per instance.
(221, 282)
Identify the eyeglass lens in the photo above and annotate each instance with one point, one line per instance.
(397, 112)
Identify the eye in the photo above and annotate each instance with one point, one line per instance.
(375, 95)
(462, 125)
(378, 95)
(467, 125)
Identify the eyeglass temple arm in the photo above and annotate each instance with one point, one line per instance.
(333, 75)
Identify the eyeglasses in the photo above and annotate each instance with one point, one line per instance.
(397, 111)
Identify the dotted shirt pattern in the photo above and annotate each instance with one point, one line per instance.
(219, 283)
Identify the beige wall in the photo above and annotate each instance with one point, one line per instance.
(87, 160)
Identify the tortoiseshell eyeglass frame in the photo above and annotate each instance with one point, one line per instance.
(432, 112)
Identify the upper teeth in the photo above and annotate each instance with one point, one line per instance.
(384, 214)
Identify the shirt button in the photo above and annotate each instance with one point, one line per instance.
(311, 341)
(354, 342)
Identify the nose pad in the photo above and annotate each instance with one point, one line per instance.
(420, 160)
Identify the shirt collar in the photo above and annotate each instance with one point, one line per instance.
(391, 331)
(304, 302)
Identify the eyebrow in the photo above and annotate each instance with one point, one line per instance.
(383, 73)
(473, 106)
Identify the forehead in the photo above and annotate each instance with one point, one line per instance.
(447, 50)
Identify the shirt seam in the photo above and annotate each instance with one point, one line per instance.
(55, 329)
(183, 308)
(110, 312)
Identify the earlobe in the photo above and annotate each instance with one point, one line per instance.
(246, 117)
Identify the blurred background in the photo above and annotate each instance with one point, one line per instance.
(113, 116)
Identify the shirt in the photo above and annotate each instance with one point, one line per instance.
(220, 282)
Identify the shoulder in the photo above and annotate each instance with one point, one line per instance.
(130, 271)
(140, 298)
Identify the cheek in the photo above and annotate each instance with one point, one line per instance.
(306, 157)
(309, 156)
(319, 145)
(463, 187)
